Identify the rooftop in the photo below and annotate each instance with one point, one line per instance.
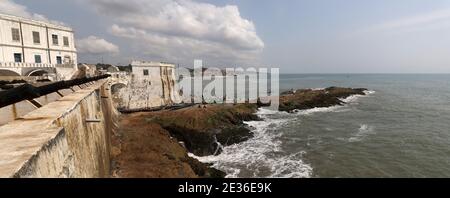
(34, 22)
(151, 64)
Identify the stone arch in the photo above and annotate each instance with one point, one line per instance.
(116, 87)
(38, 72)
(5, 72)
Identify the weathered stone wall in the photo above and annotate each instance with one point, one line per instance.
(156, 88)
(66, 138)
(65, 73)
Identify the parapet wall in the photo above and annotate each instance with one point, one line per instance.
(66, 138)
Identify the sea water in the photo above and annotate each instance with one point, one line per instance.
(401, 128)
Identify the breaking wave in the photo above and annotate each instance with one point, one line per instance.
(363, 131)
(354, 98)
(261, 156)
(317, 110)
(349, 100)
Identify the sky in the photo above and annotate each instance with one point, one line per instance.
(297, 36)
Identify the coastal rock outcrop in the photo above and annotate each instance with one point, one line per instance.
(309, 98)
(156, 144)
(205, 128)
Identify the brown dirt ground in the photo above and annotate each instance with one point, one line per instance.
(145, 150)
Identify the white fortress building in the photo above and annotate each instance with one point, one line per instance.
(36, 48)
(150, 84)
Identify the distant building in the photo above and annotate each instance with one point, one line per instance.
(34, 48)
(151, 84)
(113, 69)
(86, 70)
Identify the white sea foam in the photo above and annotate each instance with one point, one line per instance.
(290, 166)
(369, 92)
(317, 110)
(262, 112)
(349, 100)
(262, 155)
(354, 98)
(363, 131)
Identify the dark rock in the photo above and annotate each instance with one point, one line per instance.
(259, 103)
(308, 99)
(233, 135)
(196, 142)
(203, 130)
(204, 170)
(204, 143)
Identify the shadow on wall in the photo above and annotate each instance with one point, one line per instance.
(4, 72)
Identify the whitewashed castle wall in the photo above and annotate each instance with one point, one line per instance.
(158, 88)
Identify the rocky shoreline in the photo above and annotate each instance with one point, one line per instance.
(156, 144)
(308, 98)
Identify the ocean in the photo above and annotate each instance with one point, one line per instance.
(400, 129)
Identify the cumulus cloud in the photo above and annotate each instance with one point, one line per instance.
(12, 8)
(183, 29)
(95, 45)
